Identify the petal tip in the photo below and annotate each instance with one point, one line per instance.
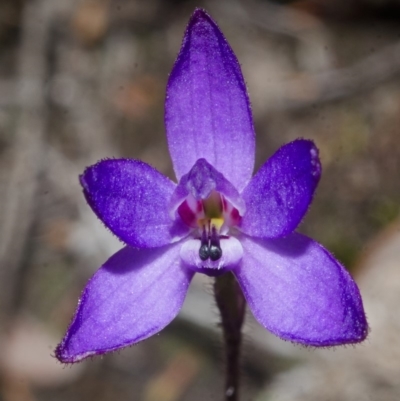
(203, 27)
(316, 167)
(201, 24)
(309, 145)
(83, 178)
(64, 357)
(61, 354)
(200, 14)
(356, 332)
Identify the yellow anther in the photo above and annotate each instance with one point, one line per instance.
(206, 223)
(217, 223)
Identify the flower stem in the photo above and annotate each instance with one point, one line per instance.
(231, 304)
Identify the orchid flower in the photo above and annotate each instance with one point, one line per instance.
(216, 219)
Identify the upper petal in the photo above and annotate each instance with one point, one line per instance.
(279, 195)
(134, 295)
(207, 109)
(298, 291)
(132, 199)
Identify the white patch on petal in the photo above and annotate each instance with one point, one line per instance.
(232, 252)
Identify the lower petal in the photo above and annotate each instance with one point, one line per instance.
(134, 295)
(298, 291)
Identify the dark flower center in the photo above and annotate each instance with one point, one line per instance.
(211, 218)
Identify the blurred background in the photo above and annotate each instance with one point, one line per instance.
(81, 80)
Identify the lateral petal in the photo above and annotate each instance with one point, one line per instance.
(131, 198)
(279, 195)
(134, 295)
(298, 291)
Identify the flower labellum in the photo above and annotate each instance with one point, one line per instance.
(217, 218)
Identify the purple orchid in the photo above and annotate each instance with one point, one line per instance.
(218, 218)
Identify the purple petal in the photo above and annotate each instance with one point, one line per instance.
(279, 195)
(298, 291)
(207, 110)
(200, 181)
(132, 198)
(134, 295)
(232, 253)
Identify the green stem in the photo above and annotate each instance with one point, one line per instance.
(231, 304)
